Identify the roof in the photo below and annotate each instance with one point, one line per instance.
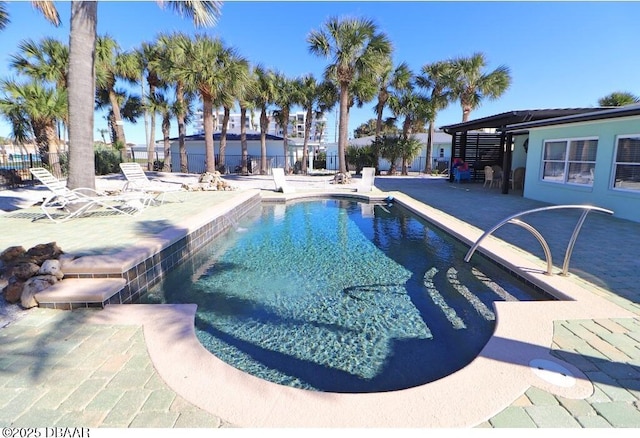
(438, 138)
(598, 114)
(251, 136)
(512, 117)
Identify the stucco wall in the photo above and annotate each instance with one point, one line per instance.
(625, 205)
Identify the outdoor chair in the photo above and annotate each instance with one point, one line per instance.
(368, 177)
(64, 204)
(137, 181)
(488, 176)
(518, 178)
(497, 174)
(280, 181)
(461, 174)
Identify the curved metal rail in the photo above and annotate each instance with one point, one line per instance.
(547, 252)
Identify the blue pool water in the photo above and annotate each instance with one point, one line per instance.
(341, 296)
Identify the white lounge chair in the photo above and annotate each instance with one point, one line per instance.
(368, 178)
(280, 181)
(64, 204)
(137, 181)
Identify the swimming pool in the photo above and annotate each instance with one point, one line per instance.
(336, 295)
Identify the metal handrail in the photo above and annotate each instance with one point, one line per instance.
(547, 252)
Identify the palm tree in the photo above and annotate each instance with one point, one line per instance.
(618, 98)
(81, 78)
(439, 77)
(287, 94)
(111, 65)
(390, 149)
(46, 7)
(40, 107)
(366, 129)
(174, 48)
(356, 49)
(147, 58)
(204, 74)
(4, 16)
(158, 103)
(391, 78)
(46, 60)
(416, 110)
(315, 98)
(81, 92)
(264, 96)
(130, 110)
(236, 72)
(246, 100)
(309, 92)
(102, 133)
(472, 85)
(409, 148)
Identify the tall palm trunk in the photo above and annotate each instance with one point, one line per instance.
(429, 151)
(82, 39)
(382, 101)
(285, 138)
(209, 154)
(151, 149)
(243, 139)
(182, 128)
(46, 140)
(466, 110)
(151, 146)
(223, 139)
(264, 126)
(117, 117)
(407, 131)
(343, 126)
(307, 134)
(166, 127)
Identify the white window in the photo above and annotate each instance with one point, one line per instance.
(569, 161)
(626, 167)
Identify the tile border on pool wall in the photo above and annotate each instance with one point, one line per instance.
(148, 272)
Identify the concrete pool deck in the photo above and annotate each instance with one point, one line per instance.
(124, 368)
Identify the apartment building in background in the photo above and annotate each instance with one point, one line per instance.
(295, 130)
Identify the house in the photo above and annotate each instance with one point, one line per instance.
(233, 153)
(440, 152)
(588, 158)
(571, 156)
(484, 142)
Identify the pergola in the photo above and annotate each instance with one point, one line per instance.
(471, 142)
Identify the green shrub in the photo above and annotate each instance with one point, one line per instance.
(107, 161)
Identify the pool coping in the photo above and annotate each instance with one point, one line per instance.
(504, 370)
(144, 263)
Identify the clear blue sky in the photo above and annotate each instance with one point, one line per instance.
(561, 54)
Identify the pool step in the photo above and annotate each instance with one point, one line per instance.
(75, 293)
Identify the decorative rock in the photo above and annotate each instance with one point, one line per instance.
(44, 251)
(32, 287)
(209, 181)
(23, 271)
(51, 267)
(342, 178)
(13, 291)
(12, 253)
